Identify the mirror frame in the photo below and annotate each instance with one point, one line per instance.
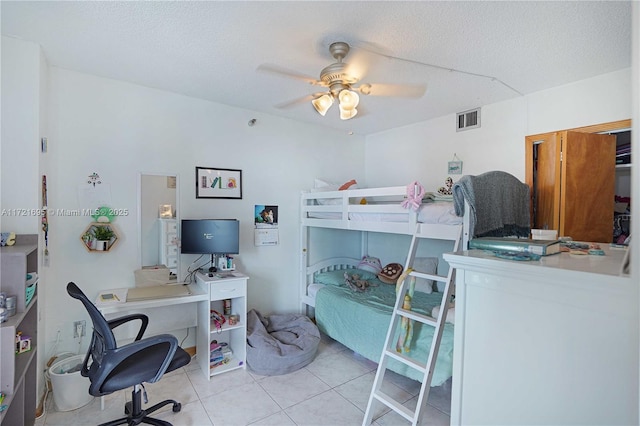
(139, 213)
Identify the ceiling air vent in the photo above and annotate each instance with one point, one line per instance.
(468, 120)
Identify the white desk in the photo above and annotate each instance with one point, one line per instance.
(165, 314)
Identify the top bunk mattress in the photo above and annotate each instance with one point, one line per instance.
(436, 212)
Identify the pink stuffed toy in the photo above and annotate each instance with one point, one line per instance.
(415, 192)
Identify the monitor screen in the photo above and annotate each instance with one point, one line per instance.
(210, 236)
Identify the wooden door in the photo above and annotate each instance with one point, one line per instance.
(545, 191)
(586, 210)
(587, 186)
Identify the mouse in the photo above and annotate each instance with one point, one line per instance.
(211, 274)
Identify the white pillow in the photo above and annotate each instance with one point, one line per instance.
(323, 186)
(426, 265)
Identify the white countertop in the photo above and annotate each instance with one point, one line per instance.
(610, 264)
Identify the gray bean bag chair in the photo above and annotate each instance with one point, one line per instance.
(280, 344)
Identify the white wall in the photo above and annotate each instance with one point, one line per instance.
(21, 121)
(601, 99)
(499, 143)
(421, 151)
(118, 130)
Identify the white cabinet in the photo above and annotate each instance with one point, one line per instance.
(225, 335)
(169, 244)
(18, 372)
(553, 341)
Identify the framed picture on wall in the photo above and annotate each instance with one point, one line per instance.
(454, 168)
(218, 183)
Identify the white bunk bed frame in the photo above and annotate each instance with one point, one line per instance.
(341, 209)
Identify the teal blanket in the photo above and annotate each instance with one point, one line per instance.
(360, 321)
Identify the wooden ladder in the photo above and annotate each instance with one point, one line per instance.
(423, 231)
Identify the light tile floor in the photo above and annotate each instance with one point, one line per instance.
(332, 390)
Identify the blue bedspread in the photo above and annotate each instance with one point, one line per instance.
(360, 321)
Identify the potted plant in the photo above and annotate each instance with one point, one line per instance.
(87, 238)
(103, 235)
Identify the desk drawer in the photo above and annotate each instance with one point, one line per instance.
(228, 289)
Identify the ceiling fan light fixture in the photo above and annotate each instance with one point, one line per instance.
(348, 99)
(322, 103)
(346, 114)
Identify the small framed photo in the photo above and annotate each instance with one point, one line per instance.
(218, 183)
(455, 168)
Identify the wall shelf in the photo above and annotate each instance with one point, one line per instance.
(91, 244)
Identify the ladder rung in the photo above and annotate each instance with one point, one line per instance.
(418, 317)
(439, 278)
(407, 361)
(394, 405)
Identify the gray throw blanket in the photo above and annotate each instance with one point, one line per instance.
(499, 204)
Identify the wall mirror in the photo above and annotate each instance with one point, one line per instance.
(158, 211)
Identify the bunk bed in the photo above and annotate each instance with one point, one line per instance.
(360, 320)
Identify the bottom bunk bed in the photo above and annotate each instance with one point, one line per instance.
(360, 320)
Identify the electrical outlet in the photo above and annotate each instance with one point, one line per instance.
(79, 328)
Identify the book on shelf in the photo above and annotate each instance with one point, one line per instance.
(520, 245)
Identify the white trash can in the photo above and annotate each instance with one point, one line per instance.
(70, 389)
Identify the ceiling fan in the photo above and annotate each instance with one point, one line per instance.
(342, 85)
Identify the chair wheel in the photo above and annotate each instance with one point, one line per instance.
(177, 407)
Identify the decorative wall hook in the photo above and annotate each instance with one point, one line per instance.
(94, 179)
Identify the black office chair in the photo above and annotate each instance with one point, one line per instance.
(111, 368)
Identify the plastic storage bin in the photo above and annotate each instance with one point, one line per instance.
(70, 389)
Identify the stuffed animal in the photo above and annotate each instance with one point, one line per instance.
(355, 283)
(7, 238)
(371, 264)
(447, 188)
(390, 273)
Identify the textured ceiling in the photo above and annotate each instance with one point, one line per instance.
(212, 49)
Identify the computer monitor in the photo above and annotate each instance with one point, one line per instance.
(210, 236)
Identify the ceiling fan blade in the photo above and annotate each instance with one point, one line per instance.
(294, 102)
(284, 72)
(298, 101)
(395, 90)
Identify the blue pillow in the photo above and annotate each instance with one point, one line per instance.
(337, 277)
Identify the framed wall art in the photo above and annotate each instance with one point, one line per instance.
(218, 183)
(455, 166)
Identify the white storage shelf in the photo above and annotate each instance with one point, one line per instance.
(18, 373)
(219, 289)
